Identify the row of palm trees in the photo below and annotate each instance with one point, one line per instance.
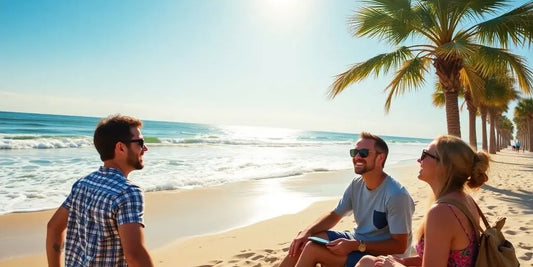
(523, 118)
(471, 60)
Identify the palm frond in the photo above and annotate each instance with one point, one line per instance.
(499, 90)
(388, 20)
(458, 48)
(515, 26)
(472, 82)
(426, 23)
(491, 61)
(380, 63)
(482, 7)
(437, 96)
(409, 77)
(524, 108)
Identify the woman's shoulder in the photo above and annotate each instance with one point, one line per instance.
(441, 214)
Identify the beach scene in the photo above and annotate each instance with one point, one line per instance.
(249, 111)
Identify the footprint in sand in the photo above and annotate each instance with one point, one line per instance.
(513, 211)
(271, 259)
(524, 246)
(211, 263)
(258, 257)
(510, 232)
(527, 256)
(524, 229)
(245, 255)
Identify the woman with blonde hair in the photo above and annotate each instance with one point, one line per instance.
(446, 236)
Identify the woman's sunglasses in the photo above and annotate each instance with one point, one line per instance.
(425, 154)
(363, 152)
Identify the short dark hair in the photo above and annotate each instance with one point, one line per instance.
(379, 145)
(110, 131)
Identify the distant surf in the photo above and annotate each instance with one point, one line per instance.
(42, 155)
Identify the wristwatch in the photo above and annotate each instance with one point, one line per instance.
(362, 246)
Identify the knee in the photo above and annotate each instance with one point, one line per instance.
(310, 247)
(367, 260)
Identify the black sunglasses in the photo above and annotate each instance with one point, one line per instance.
(139, 141)
(363, 152)
(426, 153)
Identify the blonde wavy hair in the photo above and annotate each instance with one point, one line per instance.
(458, 166)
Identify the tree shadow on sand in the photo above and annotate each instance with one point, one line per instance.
(510, 163)
(521, 198)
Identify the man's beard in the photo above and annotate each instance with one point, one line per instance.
(133, 160)
(366, 168)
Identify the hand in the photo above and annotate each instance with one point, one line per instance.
(341, 246)
(388, 261)
(297, 244)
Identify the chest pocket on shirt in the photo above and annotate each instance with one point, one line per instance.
(380, 219)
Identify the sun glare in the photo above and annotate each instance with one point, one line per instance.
(260, 133)
(285, 12)
(282, 3)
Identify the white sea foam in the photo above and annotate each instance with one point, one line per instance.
(38, 142)
(37, 179)
(41, 156)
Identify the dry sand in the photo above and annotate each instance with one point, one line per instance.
(262, 240)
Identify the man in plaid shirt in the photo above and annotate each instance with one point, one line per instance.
(103, 214)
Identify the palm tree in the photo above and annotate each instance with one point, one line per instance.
(524, 113)
(459, 55)
(472, 106)
(483, 110)
(505, 132)
(521, 129)
(499, 92)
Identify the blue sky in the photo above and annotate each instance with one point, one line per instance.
(233, 62)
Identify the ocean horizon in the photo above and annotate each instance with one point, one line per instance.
(42, 155)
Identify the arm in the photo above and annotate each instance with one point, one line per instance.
(397, 244)
(321, 225)
(132, 240)
(412, 261)
(55, 236)
(438, 236)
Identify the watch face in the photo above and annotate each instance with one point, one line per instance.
(362, 247)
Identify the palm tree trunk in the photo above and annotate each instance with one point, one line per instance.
(492, 134)
(498, 140)
(484, 145)
(530, 131)
(452, 113)
(472, 110)
(447, 69)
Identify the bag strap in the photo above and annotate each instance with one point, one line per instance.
(467, 212)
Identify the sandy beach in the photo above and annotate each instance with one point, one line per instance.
(252, 223)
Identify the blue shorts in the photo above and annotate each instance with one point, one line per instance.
(354, 256)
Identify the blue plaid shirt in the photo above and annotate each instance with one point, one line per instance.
(97, 205)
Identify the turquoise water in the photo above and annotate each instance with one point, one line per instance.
(42, 155)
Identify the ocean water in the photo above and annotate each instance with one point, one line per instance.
(41, 155)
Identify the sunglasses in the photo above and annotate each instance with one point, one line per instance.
(139, 141)
(425, 154)
(363, 152)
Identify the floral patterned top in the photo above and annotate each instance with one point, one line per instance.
(458, 258)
